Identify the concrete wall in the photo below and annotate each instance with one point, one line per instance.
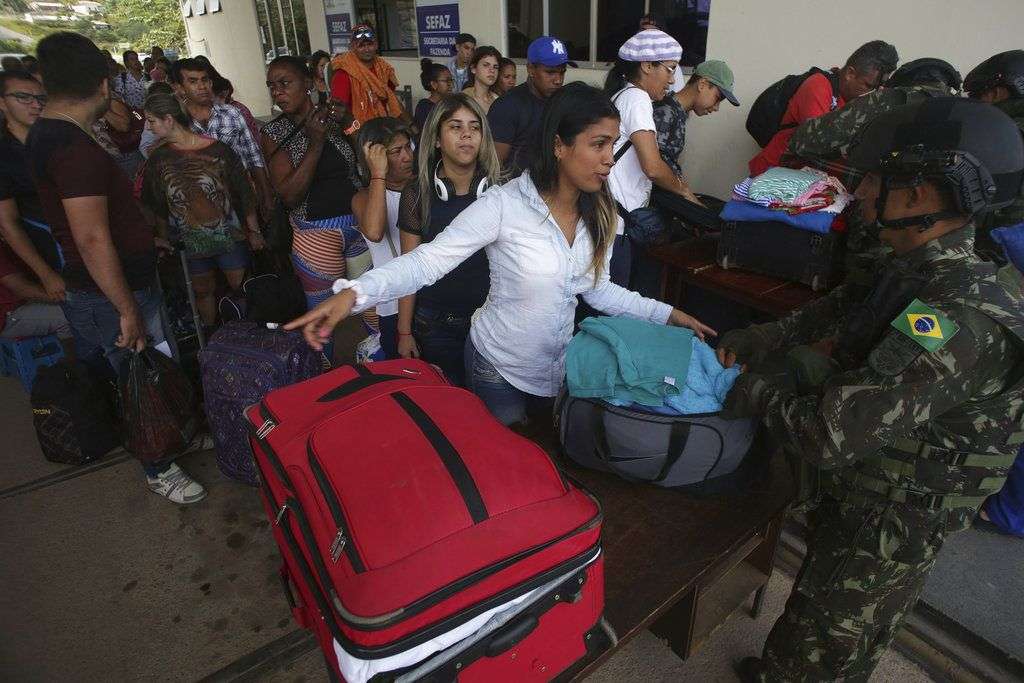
(231, 39)
(763, 41)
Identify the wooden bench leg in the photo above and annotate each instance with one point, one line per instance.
(676, 625)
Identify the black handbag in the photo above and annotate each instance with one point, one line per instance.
(643, 226)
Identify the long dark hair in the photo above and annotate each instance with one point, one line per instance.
(567, 114)
(621, 74)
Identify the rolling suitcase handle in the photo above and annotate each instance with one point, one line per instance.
(511, 635)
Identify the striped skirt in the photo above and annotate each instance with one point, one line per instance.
(325, 250)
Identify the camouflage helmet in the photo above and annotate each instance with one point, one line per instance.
(969, 147)
(926, 71)
(1005, 68)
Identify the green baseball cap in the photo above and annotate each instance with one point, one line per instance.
(719, 73)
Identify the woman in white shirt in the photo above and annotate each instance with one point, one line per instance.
(642, 75)
(385, 163)
(547, 235)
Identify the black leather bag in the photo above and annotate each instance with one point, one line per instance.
(73, 414)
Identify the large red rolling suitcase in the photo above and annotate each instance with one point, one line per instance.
(422, 537)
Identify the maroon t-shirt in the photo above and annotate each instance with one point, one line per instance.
(66, 163)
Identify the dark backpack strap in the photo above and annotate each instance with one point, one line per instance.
(629, 143)
(833, 80)
(623, 150)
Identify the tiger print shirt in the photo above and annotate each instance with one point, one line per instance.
(203, 195)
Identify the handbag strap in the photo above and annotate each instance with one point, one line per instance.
(679, 435)
(629, 142)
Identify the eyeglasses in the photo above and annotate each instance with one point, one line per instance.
(670, 69)
(27, 98)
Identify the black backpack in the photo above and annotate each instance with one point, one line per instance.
(269, 296)
(73, 413)
(765, 117)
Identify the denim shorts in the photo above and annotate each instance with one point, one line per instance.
(236, 258)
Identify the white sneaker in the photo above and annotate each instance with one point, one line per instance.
(201, 442)
(175, 485)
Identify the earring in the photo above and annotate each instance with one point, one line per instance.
(309, 92)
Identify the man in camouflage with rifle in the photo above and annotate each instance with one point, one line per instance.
(915, 412)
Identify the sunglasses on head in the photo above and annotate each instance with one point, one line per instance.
(364, 34)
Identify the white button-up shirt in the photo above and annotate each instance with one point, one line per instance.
(526, 322)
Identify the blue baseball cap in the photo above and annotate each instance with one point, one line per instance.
(549, 51)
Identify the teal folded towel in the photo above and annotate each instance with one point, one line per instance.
(628, 360)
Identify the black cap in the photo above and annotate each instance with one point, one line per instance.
(972, 146)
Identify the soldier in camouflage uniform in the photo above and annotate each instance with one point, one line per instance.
(999, 80)
(823, 143)
(920, 414)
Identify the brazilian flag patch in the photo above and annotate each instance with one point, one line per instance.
(925, 325)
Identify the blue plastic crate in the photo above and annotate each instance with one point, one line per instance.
(24, 356)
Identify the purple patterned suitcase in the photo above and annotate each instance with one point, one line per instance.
(241, 363)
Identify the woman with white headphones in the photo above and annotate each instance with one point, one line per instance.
(457, 162)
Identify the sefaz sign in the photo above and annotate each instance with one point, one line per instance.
(437, 26)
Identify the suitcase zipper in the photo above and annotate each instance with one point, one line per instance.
(343, 538)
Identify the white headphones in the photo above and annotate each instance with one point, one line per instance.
(445, 189)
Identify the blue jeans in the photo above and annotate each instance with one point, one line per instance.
(96, 325)
(506, 403)
(441, 338)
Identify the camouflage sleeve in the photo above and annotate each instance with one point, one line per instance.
(829, 135)
(816, 320)
(899, 389)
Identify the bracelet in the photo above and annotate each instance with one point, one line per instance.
(379, 178)
(405, 334)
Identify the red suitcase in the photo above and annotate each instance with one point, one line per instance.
(405, 513)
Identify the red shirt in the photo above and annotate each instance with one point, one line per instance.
(812, 99)
(9, 264)
(341, 87)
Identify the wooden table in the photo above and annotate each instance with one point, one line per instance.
(678, 564)
(693, 263)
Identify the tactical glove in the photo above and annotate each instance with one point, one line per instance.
(748, 396)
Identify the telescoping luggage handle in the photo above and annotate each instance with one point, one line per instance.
(678, 436)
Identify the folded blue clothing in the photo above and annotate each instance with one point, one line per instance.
(707, 384)
(745, 212)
